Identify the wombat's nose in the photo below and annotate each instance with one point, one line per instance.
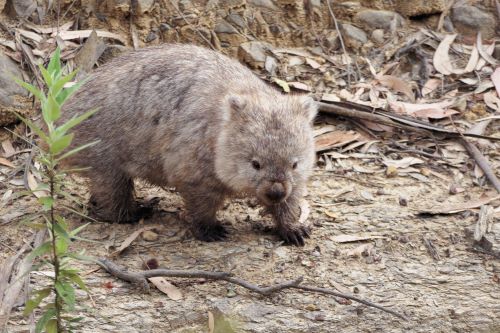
(276, 193)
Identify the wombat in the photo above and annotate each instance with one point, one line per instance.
(187, 117)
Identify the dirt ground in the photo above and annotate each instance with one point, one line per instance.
(454, 290)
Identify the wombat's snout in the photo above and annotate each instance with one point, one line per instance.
(276, 193)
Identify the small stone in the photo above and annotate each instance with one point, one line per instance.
(426, 172)
(151, 37)
(164, 27)
(470, 19)
(354, 37)
(391, 171)
(378, 36)
(237, 19)
(231, 293)
(149, 236)
(403, 201)
(223, 27)
(377, 19)
(253, 53)
(420, 7)
(311, 307)
(332, 41)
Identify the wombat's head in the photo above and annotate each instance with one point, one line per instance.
(266, 145)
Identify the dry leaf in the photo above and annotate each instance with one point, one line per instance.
(211, 322)
(403, 163)
(458, 207)
(49, 30)
(430, 86)
(359, 251)
(491, 100)
(430, 110)
(331, 214)
(304, 210)
(76, 34)
(354, 238)
(488, 51)
(330, 98)
(166, 287)
(396, 84)
(495, 78)
(313, 63)
(283, 84)
(300, 86)
(33, 185)
(8, 148)
(126, 243)
(6, 162)
(441, 60)
(31, 35)
(486, 54)
(335, 139)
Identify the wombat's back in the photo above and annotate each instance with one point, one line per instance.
(154, 101)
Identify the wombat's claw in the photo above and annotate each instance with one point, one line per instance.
(295, 235)
(210, 233)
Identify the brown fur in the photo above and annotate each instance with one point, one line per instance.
(191, 118)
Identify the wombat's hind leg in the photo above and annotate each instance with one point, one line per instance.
(112, 198)
(201, 212)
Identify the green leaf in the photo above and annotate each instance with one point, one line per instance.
(75, 231)
(42, 322)
(61, 232)
(78, 281)
(51, 109)
(76, 150)
(82, 257)
(74, 121)
(31, 88)
(59, 85)
(67, 92)
(54, 67)
(62, 143)
(66, 292)
(31, 304)
(283, 84)
(34, 128)
(51, 326)
(62, 245)
(40, 251)
(46, 75)
(47, 202)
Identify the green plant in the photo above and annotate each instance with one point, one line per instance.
(55, 252)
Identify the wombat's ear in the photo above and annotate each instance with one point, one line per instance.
(237, 105)
(309, 107)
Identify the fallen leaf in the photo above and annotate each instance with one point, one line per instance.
(330, 98)
(335, 139)
(486, 54)
(404, 162)
(441, 60)
(359, 251)
(166, 287)
(430, 110)
(495, 78)
(491, 100)
(300, 86)
(77, 34)
(331, 214)
(211, 322)
(396, 84)
(456, 207)
(354, 238)
(33, 185)
(304, 210)
(6, 162)
(283, 84)
(8, 148)
(49, 30)
(313, 63)
(31, 35)
(430, 86)
(126, 243)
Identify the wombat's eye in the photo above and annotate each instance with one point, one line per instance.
(294, 165)
(256, 165)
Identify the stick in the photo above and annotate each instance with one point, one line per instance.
(348, 59)
(482, 162)
(141, 279)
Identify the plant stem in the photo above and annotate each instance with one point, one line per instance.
(54, 253)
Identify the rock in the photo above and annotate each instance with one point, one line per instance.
(223, 27)
(354, 37)
(419, 7)
(151, 37)
(377, 19)
(378, 36)
(269, 4)
(12, 96)
(346, 9)
(332, 41)
(378, 4)
(19, 8)
(237, 20)
(253, 53)
(149, 236)
(470, 19)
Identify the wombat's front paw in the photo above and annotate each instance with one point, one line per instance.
(210, 233)
(294, 235)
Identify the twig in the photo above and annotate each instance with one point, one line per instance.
(348, 59)
(383, 117)
(482, 162)
(141, 279)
